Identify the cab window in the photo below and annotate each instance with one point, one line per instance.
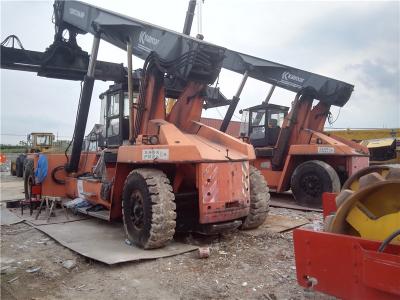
(126, 103)
(113, 109)
(42, 140)
(276, 119)
(113, 127)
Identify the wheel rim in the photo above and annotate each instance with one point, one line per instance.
(311, 185)
(137, 209)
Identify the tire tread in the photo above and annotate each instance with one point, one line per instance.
(259, 200)
(162, 201)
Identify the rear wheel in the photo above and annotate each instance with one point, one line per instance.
(259, 200)
(29, 178)
(19, 165)
(311, 179)
(148, 208)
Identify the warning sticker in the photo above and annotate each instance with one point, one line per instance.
(326, 150)
(152, 154)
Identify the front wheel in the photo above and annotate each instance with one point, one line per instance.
(310, 180)
(259, 200)
(148, 208)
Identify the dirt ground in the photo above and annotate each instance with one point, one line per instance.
(241, 266)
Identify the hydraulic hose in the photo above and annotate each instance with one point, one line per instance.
(388, 240)
(53, 175)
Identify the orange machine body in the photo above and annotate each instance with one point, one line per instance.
(302, 139)
(206, 167)
(338, 154)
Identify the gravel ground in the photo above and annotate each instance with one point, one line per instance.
(241, 266)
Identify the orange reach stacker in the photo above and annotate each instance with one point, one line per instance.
(159, 170)
(292, 150)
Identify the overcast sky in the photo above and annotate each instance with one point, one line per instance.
(356, 42)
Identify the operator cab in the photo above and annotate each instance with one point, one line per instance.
(40, 141)
(115, 114)
(262, 124)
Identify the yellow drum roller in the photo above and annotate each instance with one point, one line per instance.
(369, 205)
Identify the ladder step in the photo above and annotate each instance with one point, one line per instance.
(101, 214)
(88, 194)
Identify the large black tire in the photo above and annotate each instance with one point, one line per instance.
(148, 207)
(19, 166)
(29, 178)
(13, 168)
(310, 180)
(259, 200)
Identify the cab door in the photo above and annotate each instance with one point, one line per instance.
(114, 119)
(258, 127)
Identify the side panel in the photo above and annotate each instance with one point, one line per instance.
(291, 163)
(49, 187)
(345, 266)
(88, 189)
(265, 167)
(356, 163)
(224, 191)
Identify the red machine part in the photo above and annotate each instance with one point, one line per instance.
(223, 191)
(328, 204)
(346, 266)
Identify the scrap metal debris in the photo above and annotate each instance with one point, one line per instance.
(204, 252)
(33, 269)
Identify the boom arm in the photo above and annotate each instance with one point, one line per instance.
(146, 38)
(168, 44)
(327, 90)
(53, 65)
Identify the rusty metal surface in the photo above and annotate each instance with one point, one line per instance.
(286, 200)
(345, 266)
(105, 242)
(278, 224)
(58, 216)
(224, 193)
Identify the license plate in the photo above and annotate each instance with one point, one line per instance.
(152, 154)
(326, 150)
